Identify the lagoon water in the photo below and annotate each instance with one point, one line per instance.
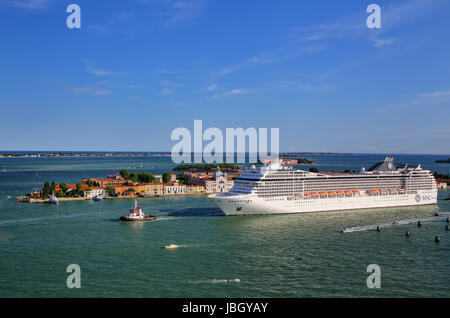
(273, 256)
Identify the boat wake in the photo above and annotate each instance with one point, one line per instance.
(217, 281)
(164, 219)
(374, 227)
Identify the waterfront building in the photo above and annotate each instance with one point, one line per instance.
(92, 192)
(159, 177)
(174, 188)
(110, 180)
(217, 183)
(195, 189)
(71, 187)
(154, 189)
(442, 184)
(148, 189)
(124, 190)
(289, 161)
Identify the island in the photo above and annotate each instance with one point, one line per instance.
(26, 154)
(206, 167)
(296, 161)
(443, 161)
(191, 179)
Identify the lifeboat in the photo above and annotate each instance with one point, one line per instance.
(354, 191)
(339, 192)
(331, 193)
(322, 193)
(374, 191)
(313, 193)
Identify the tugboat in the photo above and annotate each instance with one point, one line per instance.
(136, 215)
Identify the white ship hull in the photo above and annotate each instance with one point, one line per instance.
(253, 205)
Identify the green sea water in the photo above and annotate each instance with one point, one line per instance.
(273, 256)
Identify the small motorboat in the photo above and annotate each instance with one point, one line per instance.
(97, 198)
(171, 247)
(53, 200)
(136, 215)
(234, 280)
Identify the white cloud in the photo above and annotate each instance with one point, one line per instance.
(91, 90)
(120, 17)
(229, 93)
(168, 83)
(100, 72)
(302, 86)
(92, 69)
(177, 11)
(211, 87)
(166, 91)
(236, 67)
(382, 42)
(426, 99)
(177, 103)
(25, 4)
(437, 93)
(352, 26)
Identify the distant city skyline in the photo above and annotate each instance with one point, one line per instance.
(139, 69)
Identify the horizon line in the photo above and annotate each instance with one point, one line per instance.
(169, 152)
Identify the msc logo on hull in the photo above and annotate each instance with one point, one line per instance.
(424, 198)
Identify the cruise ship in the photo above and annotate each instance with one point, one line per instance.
(277, 189)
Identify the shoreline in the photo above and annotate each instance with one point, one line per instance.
(31, 200)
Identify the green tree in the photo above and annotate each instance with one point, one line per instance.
(64, 187)
(79, 188)
(182, 179)
(166, 177)
(313, 169)
(110, 190)
(125, 174)
(47, 190)
(143, 177)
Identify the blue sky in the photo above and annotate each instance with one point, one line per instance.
(138, 69)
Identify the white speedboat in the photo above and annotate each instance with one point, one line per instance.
(53, 200)
(171, 247)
